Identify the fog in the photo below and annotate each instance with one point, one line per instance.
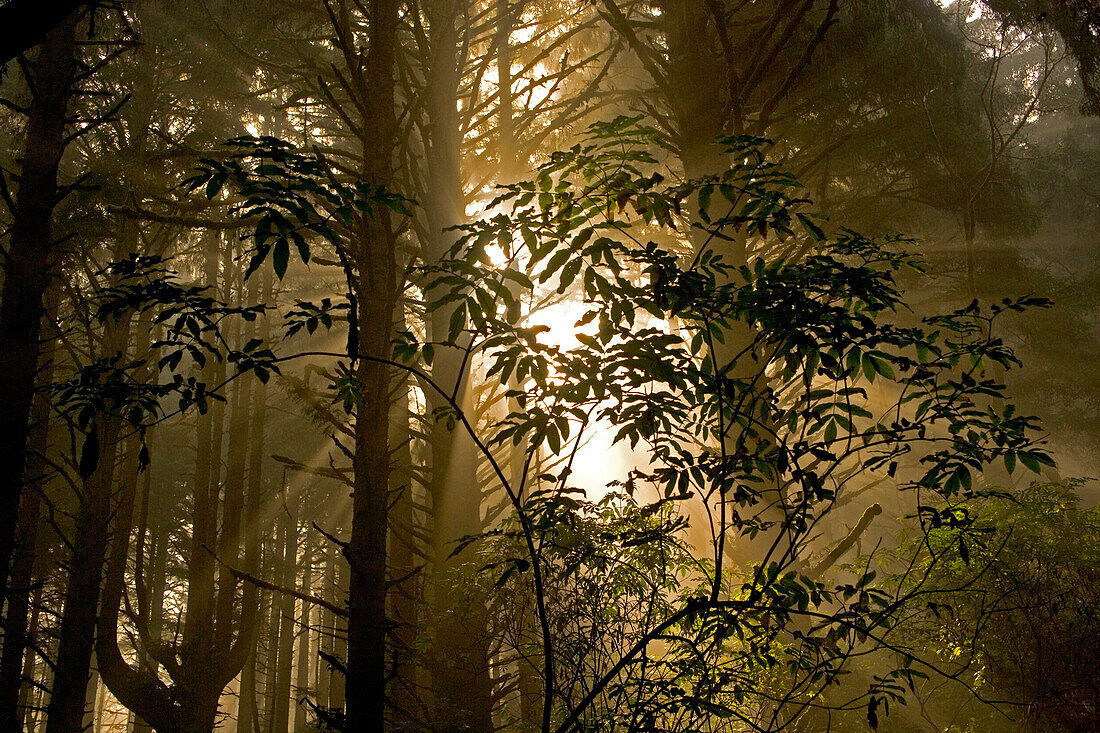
(542, 365)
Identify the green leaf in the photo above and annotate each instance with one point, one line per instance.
(1030, 461)
(812, 229)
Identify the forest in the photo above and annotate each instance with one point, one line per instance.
(549, 366)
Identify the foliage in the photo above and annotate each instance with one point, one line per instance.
(291, 197)
(747, 379)
(190, 324)
(756, 403)
(1020, 615)
(613, 566)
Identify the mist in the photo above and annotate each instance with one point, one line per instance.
(556, 366)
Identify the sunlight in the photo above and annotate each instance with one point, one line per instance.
(599, 460)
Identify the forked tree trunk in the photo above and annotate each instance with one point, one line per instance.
(211, 654)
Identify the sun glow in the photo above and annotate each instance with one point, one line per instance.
(598, 460)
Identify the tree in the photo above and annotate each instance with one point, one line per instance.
(28, 264)
(1077, 22)
(1021, 621)
(809, 430)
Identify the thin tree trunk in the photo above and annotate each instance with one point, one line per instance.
(280, 718)
(301, 682)
(405, 596)
(30, 661)
(271, 637)
(337, 696)
(334, 594)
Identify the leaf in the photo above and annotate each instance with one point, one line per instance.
(555, 263)
(569, 273)
(1030, 461)
(89, 454)
(143, 456)
(457, 323)
(812, 229)
(280, 256)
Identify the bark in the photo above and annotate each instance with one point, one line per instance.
(247, 709)
(257, 426)
(27, 267)
(271, 646)
(405, 595)
(280, 717)
(198, 642)
(374, 260)
(461, 685)
(301, 682)
(17, 635)
(333, 593)
(338, 682)
(30, 659)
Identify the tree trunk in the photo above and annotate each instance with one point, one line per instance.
(374, 259)
(461, 686)
(76, 637)
(27, 691)
(27, 267)
(301, 682)
(288, 574)
(16, 632)
(337, 696)
(405, 595)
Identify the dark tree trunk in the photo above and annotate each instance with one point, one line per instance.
(17, 635)
(330, 683)
(27, 267)
(405, 594)
(76, 637)
(30, 659)
(374, 259)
